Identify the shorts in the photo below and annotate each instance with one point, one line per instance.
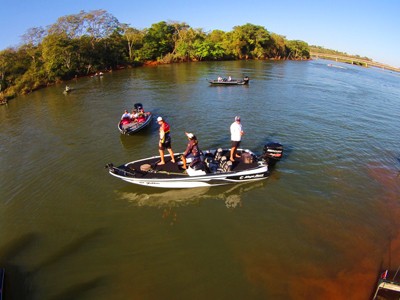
(166, 145)
(235, 144)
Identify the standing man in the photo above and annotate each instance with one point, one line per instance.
(236, 137)
(165, 141)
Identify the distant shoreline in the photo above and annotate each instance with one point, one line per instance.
(331, 57)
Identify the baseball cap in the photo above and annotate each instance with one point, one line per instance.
(237, 118)
(159, 119)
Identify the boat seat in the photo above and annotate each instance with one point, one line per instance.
(225, 164)
(193, 172)
(212, 164)
(218, 154)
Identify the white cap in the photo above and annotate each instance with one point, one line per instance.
(190, 135)
(237, 118)
(159, 119)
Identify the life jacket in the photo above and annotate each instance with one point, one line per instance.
(125, 121)
(196, 150)
(164, 128)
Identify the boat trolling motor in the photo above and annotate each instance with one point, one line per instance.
(272, 153)
(122, 170)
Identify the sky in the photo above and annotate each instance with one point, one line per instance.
(367, 28)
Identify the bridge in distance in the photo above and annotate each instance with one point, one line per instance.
(353, 60)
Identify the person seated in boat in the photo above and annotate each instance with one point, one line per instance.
(133, 115)
(219, 78)
(126, 117)
(192, 151)
(141, 115)
(229, 78)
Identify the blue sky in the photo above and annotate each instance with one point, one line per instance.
(367, 28)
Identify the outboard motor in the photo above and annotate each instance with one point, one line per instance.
(272, 153)
(246, 80)
(138, 106)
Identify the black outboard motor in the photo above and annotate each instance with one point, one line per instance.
(272, 153)
(246, 80)
(138, 106)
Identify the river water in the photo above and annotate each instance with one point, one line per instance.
(320, 227)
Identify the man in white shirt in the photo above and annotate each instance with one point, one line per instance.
(236, 137)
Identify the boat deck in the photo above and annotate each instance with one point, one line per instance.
(387, 288)
(149, 168)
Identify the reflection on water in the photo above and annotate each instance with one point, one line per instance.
(388, 206)
(170, 198)
(231, 195)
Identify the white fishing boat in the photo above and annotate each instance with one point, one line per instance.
(214, 169)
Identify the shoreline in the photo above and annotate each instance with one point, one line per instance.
(344, 59)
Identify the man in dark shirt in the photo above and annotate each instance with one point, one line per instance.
(192, 150)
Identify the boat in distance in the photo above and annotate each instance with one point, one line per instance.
(132, 125)
(214, 169)
(67, 89)
(228, 81)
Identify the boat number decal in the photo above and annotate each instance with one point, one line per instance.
(251, 176)
(148, 183)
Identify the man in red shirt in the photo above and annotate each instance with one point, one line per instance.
(165, 141)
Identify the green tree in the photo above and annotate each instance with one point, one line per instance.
(135, 40)
(219, 45)
(113, 51)
(188, 43)
(249, 41)
(296, 49)
(58, 54)
(277, 49)
(14, 63)
(158, 41)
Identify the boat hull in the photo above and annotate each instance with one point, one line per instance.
(225, 81)
(215, 82)
(198, 181)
